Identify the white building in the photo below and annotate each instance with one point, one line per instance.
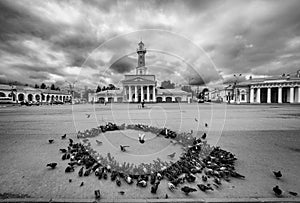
(141, 87)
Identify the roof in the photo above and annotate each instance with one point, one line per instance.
(5, 87)
(110, 92)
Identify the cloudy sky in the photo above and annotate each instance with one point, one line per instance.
(94, 42)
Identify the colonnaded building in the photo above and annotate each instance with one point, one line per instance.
(141, 87)
(275, 89)
(19, 93)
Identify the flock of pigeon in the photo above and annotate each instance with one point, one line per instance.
(213, 164)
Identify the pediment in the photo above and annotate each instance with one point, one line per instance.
(138, 80)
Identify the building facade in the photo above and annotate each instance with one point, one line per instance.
(140, 87)
(282, 89)
(18, 93)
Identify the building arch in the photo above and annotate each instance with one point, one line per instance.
(13, 95)
(168, 99)
(178, 99)
(120, 99)
(110, 99)
(52, 98)
(2, 94)
(47, 97)
(21, 97)
(60, 98)
(29, 97)
(37, 97)
(101, 100)
(43, 97)
(158, 99)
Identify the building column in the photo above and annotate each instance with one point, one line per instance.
(125, 92)
(251, 95)
(154, 96)
(291, 94)
(269, 95)
(130, 95)
(298, 94)
(135, 94)
(142, 93)
(148, 93)
(279, 95)
(258, 95)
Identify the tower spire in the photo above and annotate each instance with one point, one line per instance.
(141, 51)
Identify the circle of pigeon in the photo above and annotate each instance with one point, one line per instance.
(212, 163)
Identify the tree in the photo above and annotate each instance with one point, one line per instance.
(103, 88)
(98, 89)
(43, 86)
(167, 85)
(52, 87)
(36, 86)
(111, 87)
(186, 88)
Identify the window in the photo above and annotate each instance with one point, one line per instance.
(243, 97)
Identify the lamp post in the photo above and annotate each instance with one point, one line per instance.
(72, 85)
(236, 91)
(191, 87)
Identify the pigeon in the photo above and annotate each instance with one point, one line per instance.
(51, 141)
(88, 115)
(64, 157)
(118, 181)
(196, 119)
(204, 178)
(277, 174)
(187, 190)
(121, 192)
(80, 172)
(128, 179)
(172, 155)
(142, 138)
(190, 178)
(64, 136)
(69, 169)
(203, 136)
(141, 183)
(154, 187)
(206, 125)
(203, 187)
(217, 181)
(63, 150)
(52, 165)
(166, 196)
(97, 194)
(123, 148)
(70, 180)
(171, 186)
(293, 193)
(98, 142)
(277, 191)
(236, 175)
(81, 184)
(87, 172)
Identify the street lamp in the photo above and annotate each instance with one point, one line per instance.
(237, 92)
(72, 85)
(191, 87)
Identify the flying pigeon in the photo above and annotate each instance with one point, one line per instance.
(52, 165)
(142, 138)
(203, 187)
(277, 191)
(277, 174)
(98, 142)
(70, 180)
(64, 136)
(172, 155)
(203, 136)
(121, 192)
(196, 119)
(171, 186)
(88, 115)
(51, 141)
(206, 125)
(293, 193)
(97, 194)
(187, 190)
(81, 184)
(123, 148)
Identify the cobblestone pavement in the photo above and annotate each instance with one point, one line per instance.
(264, 137)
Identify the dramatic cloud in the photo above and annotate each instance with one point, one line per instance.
(190, 42)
